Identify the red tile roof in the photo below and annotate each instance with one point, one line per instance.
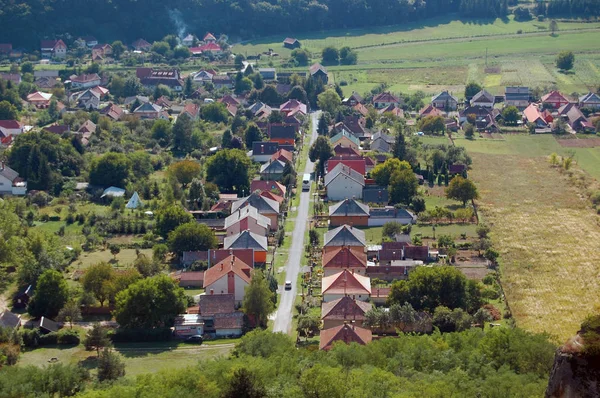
(10, 124)
(271, 186)
(340, 150)
(229, 264)
(346, 283)
(345, 308)
(555, 96)
(532, 113)
(217, 255)
(344, 257)
(191, 276)
(85, 78)
(385, 97)
(211, 304)
(430, 110)
(209, 36)
(346, 333)
(357, 165)
(283, 155)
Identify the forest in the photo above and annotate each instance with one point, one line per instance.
(28, 21)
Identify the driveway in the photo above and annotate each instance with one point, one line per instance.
(283, 316)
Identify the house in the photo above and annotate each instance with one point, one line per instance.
(214, 256)
(189, 40)
(191, 110)
(353, 99)
(90, 41)
(268, 186)
(291, 43)
(39, 99)
(89, 99)
(102, 50)
(345, 333)
(46, 325)
(382, 142)
(191, 279)
(10, 127)
(577, 121)
(21, 299)
(229, 276)
(137, 98)
(554, 99)
(45, 73)
(590, 100)
(396, 270)
(345, 310)
(219, 315)
(283, 155)
(46, 82)
(532, 114)
(483, 99)
(391, 251)
(56, 128)
(267, 207)
(338, 258)
(248, 240)
(262, 151)
(346, 283)
(445, 100)
(354, 124)
(375, 194)
(9, 320)
(430, 110)
(379, 216)
(53, 49)
(170, 78)
(340, 150)
(393, 109)
(345, 139)
(477, 111)
(293, 107)
(11, 77)
(283, 134)
(349, 211)
(357, 164)
(207, 48)
(187, 325)
(346, 235)
(222, 81)
(203, 77)
(113, 111)
(385, 99)
(209, 38)
(267, 73)
(247, 219)
(87, 127)
(272, 170)
(10, 182)
(318, 71)
(516, 96)
(141, 45)
(343, 182)
(229, 100)
(150, 111)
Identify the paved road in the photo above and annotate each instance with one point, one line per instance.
(283, 316)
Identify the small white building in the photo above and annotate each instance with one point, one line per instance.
(189, 325)
(342, 182)
(10, 182)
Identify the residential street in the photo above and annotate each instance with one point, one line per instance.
(283, 317)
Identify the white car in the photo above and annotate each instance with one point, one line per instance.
(288, 285)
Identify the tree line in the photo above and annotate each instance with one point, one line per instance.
(127, 20)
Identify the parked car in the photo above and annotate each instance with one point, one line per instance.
(195, 339)
(288, 285)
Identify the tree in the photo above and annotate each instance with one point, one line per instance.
(462, 190)
(382, 173)
(117, 49)
(97, 280)
(482, 230)
(132, 87)
(238, 61)
(192, 237)
(146, 267)
(301, 57)
(308, 325)
(297, 93)
(243, 85)
(418, 204)
(185, 171)
(161, 47)
(70, 313)
(469, 130)
(159, 252)
(215, 112)
(348, 56)
(7, 111)
(150, 303)
(270, 96)
(258, 299)
(471, 89)
(170, 217)
(182, 133)
(565, 60)
(110, 366)
(447, 320)
(553, 27)
(403, 186)
(111, 169)
(559, 126)
(96, 339)
(320, 151)
(230, 169)
(391, 229)
(403, 316)
(181, 52)
(511, 115)
(323, 125)
(226, 139)
(244, 384)
(27, 67)
(445, 241)
(482, 316)
(51, 294)
(252, 134)
(432, 124)
(399, 147)
(330, 56)
(329, 101)
(114, 250)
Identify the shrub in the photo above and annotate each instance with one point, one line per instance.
(590, 331)
(494, 312)
(490, 293)
(140, 335)
(489, 279)
(31, 337)
(49, 339)
(68, 337)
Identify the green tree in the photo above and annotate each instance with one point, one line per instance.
(226, 139)
(117, 49)
(162, 132)
(243, 85)
(111, 169)
(270, 96)
(252, 134)
(181, 52)
(170, 217)
(185, 171)
(469, 130)
(481, 317)
(399, 147)
(244, 384)
(150, 303)
(553, 27)
(432, 124)
(161, 47)
(301, 57)
(348, 56)
(141, 164)
(230, 169)
(97, 280)
(258, 299)
(329, 101)
(27, 67)
(403, 186)
(215, 112)
(308, 325)
(462, 189)
(192, 237)
(238, 61)
(403, 316)
(447, 320)
(320, 151)
(159, 252)
(330, 56)
(182, 133)
(391, 228)
(323, 125)
(110, 366)
(51, 294)
(114, 249)
(382, 173)
(70, 313)
(298, 93)
(133, 86)
(471, 89)
(511, 115)
(8, 111)
(96, 339)
(147, 267)
(565, 60)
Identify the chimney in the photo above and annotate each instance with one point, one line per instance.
(221, 269)
(212, 291)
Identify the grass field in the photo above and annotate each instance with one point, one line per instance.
(125, 257)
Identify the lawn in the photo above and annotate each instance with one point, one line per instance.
(125, 257)
(546, 233)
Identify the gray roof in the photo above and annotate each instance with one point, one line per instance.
(9, 320)
(148, 107)
(349, 207)
(589, 97)
(262, 204)
(8, 173)
(483, 96)
(391, 212)
(275, 166)
(113, 192)
(444, 96)
(345, 235)
(375, 194)
(247, 211)
(517, 93)
(383, 136)
(47, 324)
(342, 169)
(246, 240)
(134, 202)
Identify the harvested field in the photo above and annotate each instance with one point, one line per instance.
(548, 238)
(579, 143)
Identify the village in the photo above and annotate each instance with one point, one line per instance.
(203, 175)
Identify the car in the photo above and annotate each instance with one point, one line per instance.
(195, 339)
(288, 285)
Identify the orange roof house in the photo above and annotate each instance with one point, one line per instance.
(344, 310)
(555, 99)
(270, 186)
(336, 259)
(284, 155)
(533, 115)
(345, 333)
(346, 283)
(229, 276)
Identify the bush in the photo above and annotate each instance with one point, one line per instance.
(49, 339)
(140, 335)
(490, 293)
(494, 312)
(31, 337)
(68, 337)
(489, 279)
